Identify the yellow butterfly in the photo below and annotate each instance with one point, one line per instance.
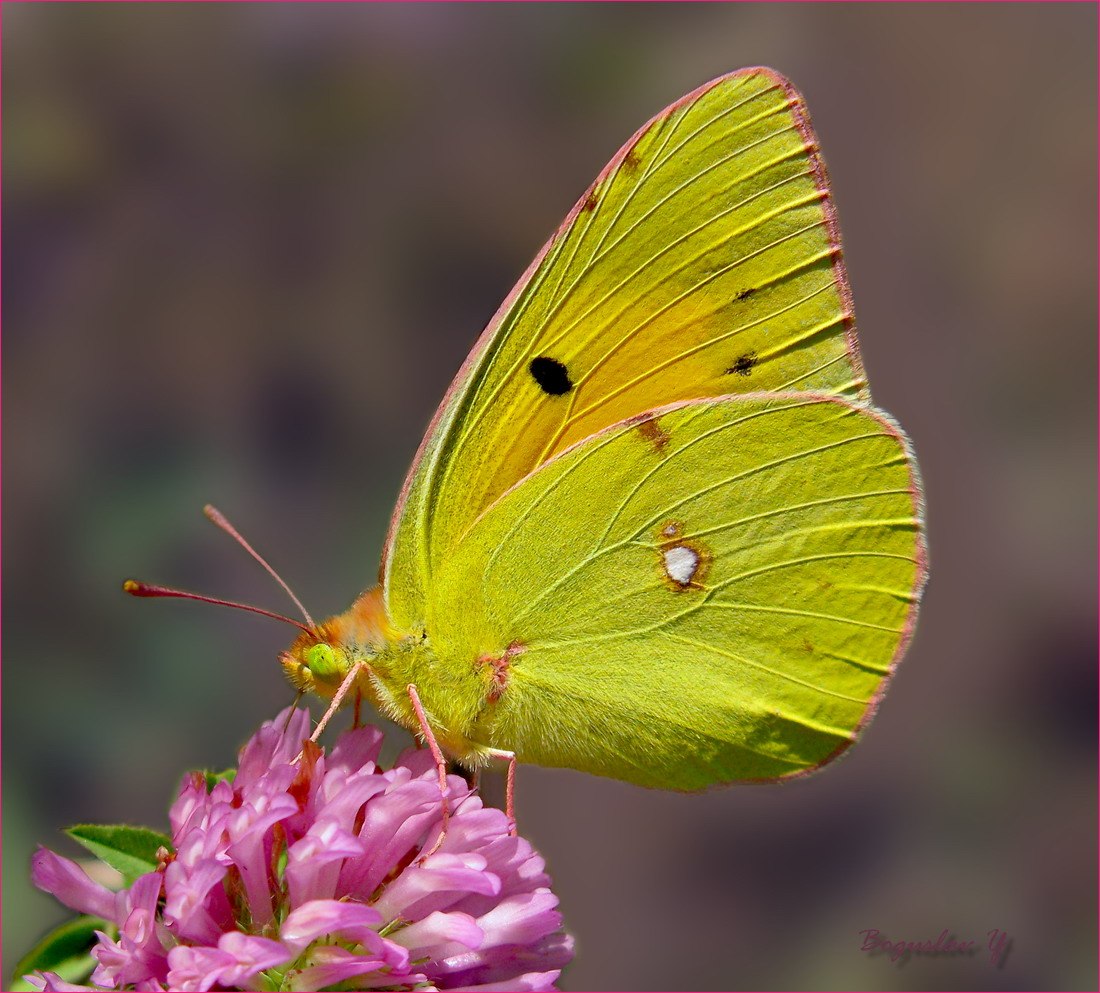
(655, 531)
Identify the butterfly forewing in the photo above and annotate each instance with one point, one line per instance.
(702, 262)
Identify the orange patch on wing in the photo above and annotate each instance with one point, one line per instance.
(650, 429)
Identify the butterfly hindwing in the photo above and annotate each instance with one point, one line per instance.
(703, 261)
(713, 592)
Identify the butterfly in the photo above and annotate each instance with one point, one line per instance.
(656, 529)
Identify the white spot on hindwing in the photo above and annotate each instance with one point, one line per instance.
(681, 564)
(684, 561)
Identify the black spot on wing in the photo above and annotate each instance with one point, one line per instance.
(551, 375)
(743, 364)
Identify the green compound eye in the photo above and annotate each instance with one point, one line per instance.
(324, 662)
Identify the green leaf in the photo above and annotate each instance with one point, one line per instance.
(213, 778)
(130, 850)
(65, 950)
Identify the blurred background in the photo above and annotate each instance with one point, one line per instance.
(248, 246)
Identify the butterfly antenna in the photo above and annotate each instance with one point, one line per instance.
(218, 518)
(135, 588)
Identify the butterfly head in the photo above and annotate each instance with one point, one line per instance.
(316, 664)
(322, 656)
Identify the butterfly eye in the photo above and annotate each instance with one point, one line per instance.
(325, 663)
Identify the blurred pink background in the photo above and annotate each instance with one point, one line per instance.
(249, 245)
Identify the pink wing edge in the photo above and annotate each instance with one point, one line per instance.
(832, 227)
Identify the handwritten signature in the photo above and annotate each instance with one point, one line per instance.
(998, 944)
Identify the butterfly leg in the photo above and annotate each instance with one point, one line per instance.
(338, 698)
(510, 788)
(440, 764)
(358, 705)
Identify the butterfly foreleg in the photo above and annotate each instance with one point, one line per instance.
(338, 698)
